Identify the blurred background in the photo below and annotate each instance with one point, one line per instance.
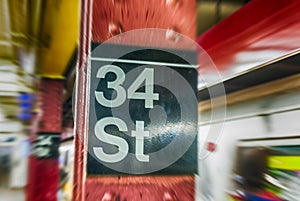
(253, 155)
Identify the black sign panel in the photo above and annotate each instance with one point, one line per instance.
(142, 111)
(46, 145)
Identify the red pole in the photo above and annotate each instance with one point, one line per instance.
(43, 179)
(101, 20)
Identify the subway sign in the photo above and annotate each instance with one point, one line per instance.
(142, 111)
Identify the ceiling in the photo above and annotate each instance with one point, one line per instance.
(211, 12)
(257, 33)
(47, 31)
(44, 31)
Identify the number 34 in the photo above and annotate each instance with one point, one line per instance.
(147, 75)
